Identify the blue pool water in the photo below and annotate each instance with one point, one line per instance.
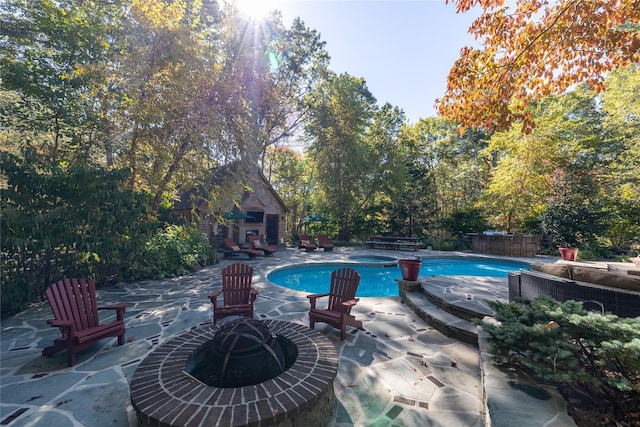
(378, 281)
(374, 258)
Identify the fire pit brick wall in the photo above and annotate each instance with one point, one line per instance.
(163, 395)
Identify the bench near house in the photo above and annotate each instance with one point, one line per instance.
(393, 243)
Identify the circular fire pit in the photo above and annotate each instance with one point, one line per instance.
(243, 352)
(162, 394)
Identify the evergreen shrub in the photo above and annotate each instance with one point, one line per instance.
(596, 355)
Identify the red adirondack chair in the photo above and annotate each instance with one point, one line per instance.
(237, 293)
(344, 284)
(73, 303)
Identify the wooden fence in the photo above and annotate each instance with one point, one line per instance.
(516, 245)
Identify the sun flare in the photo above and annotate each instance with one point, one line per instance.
(256, 9)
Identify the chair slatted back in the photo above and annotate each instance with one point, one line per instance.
(236, 283)
(323, 239)
(74, 300)
(344, 285)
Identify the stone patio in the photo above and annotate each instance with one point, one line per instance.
(399, 371)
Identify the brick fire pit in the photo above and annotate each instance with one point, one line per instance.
(163, 395)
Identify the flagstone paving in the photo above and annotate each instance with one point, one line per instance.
(398, 371)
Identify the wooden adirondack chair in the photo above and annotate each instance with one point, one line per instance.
(344, 284)
(73, 302)
(238, 295)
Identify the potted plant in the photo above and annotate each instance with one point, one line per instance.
(410, 268)
(568, 253)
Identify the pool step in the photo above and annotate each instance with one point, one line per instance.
(442, 320)
(451, 303)
(448, 304)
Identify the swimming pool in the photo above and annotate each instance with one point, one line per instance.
(387, 260)
(378, 280)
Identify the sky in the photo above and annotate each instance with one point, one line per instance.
(403, 49)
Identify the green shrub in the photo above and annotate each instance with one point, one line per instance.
(60, 221)
(173, 251)
(446, 244)
(466, 220)
(73, 221)
(575, 217)
(443, 245)
(594, 252)
(597, 355)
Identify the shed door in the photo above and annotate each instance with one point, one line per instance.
(272, 229)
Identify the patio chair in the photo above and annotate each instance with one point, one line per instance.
(342, 292)
(232, 249)
(324, 243)
(73, 303)
(305, 242)
(237, 294)
(259, 246)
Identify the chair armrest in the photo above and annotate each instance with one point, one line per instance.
(254, 293)
(213, 296)
(350, 303)
(314, 297)
(120, 308)
(66, 326)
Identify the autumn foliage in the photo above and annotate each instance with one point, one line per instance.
(533, 48)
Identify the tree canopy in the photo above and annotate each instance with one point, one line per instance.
(148, 98)
(167, 90)
(535, 48)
